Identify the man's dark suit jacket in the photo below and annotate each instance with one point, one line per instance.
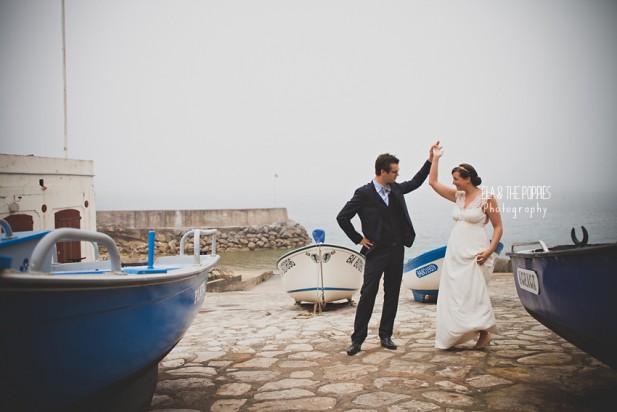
(366, 202)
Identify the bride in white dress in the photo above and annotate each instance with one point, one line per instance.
(463, 306)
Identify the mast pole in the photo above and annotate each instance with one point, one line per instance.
(66, 138)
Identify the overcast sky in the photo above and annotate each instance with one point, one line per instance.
(198, 104)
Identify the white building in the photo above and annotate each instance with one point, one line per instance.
(42, 193)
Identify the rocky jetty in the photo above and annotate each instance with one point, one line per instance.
(133, 243)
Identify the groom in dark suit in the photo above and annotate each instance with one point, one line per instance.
(386, 229)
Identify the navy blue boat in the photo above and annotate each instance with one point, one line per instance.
(571, 290)
(90, 337)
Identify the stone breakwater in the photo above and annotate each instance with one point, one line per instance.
(133, 242)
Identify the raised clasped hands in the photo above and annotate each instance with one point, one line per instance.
(436, 150)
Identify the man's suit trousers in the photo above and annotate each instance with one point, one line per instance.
(386, 260)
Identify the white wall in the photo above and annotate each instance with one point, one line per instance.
(66, 184)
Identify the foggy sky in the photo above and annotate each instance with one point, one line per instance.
(205, 101)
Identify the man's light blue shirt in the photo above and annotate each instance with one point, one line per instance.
(380, 190)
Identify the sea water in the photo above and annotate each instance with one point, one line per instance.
(549, 217)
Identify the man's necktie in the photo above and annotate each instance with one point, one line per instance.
(385, 191)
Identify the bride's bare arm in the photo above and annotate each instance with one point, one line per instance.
(433, 177)
(492, 211)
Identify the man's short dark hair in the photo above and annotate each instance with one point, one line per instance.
(384, 162)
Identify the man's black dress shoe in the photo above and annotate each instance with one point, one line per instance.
(387, 343)
(353, 348)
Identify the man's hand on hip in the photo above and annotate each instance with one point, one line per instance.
(366, 243)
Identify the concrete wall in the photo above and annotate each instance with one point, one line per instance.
(158, 219)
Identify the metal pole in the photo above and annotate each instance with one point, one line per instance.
(276, 176)
(66, 142)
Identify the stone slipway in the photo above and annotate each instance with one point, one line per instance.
(254, 350)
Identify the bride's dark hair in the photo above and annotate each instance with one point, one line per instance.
(467, 170)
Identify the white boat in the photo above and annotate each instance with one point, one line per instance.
(422, 273)
(321, 273)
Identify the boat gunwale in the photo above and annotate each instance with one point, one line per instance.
(22, 237)
(424, 258)
(315, 245)
(12, 280)
(568, 250)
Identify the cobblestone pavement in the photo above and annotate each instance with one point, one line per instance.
(257, 351)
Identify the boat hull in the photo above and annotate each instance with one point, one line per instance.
(89, 335)
(423, 273)
(321, 273)
(19, 248)
(570, 290)
(66, 338)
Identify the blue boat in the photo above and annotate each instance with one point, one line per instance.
(570, 289)
(422, 273)
(89, 336)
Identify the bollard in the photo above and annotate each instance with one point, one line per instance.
(151, 235)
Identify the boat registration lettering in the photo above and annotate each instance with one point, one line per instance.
(200, 292)
(426, 270)
(286, 265)
(357, 264)
(528, 280)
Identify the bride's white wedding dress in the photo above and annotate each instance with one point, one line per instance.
(463, 304)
